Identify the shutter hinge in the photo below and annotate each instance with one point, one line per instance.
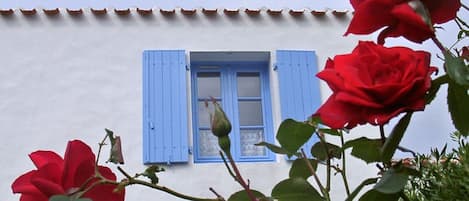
(189, 150)
(275, 66)
(151, 125)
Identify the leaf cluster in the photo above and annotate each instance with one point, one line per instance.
(443, 176)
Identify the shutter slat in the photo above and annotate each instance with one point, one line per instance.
(165, 107)
(299, 88)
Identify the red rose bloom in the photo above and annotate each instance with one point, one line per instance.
(373, 84)
(401, 17)
(57, 176)
(465, 53)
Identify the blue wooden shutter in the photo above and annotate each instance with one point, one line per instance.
(299, 87)
(165, 132)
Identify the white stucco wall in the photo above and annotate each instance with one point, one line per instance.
(69, 77)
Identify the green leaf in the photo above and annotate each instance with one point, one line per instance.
(295, 189)
(67, 198)
(435, 87)
(458, 106)
(300, 168)
(392, 182)
(319, 151)
(329, 131)
(243, 196)
(359, 188)
(457, 69)
(293, 134)
(60, 198)
(392, 142)
(274, 148)
(373, 195)
(150, 173)
(365, 149)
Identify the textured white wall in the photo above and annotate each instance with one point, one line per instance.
(69, 77)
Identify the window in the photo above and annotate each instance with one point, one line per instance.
(242, 89)
(240, 82)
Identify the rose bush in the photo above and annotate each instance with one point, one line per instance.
(373, 84)
(66, 176)
(412, 19)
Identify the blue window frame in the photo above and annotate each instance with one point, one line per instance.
(166, 104)
(242, 88)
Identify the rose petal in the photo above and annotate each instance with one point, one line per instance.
(51, 172)
(23, 184)
(76, 154)
(26, 197)
(83, 173)
(106, 192)
(442, 11)
(41, 158)
(336, 114)
(47, 187)
(411, 25)
(370, 16)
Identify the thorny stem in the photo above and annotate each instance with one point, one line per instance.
(131, 181)
(464, 6)
(227, 166)
(101, 144)
(439, 44)
(313, 172)
(239, 178)
(403, 149)
(381, 132)
(328, 162)
(218, 195)
(343, 172)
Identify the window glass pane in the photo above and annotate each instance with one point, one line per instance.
(250, 113)
(249, 85)
(208, 144)
(204, 113)
(208, 84)
(250, 137)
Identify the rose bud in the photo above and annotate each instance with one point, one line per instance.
(219, 123)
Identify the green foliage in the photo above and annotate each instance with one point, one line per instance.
(360, 187)
(392, 182)
(365, 149)
(219, 122)
(457, 69)
(444, 176)
(374, 195)
(243, 196)
(274, 148)
(150, 173)
(323, 151)
(458, 106)
(300, 168)
(293, 134)
(329, 131)
(295, 189)
(392, 142)
(67, 198)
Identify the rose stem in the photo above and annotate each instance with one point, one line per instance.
(132, 180)
(343, 173)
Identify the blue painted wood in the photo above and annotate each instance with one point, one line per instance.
(299, 88)
(165, 134)
(228, 72)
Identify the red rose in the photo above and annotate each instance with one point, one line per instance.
(57, 176)
(465, 53)
(401, 17)
(373, 84)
